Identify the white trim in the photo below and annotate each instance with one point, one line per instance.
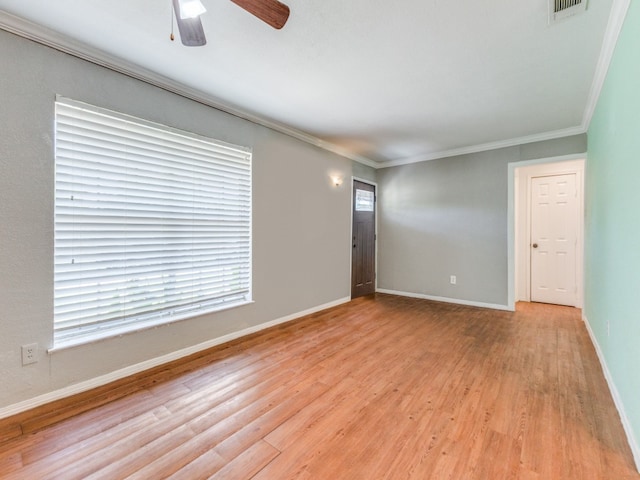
(49, 38)
(67, 45)
(614, 27)
(78, 342)
(633, 442)
(154, 362)
(577, 168)
(512, 142)
(618, 13)
(375, 220)
(511, 168)
(458, 301)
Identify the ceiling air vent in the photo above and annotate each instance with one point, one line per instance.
(560, 9)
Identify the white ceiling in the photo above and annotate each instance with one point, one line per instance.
(388, 81)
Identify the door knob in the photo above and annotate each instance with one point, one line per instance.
(535, 245)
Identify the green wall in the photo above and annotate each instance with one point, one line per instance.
(612, 228)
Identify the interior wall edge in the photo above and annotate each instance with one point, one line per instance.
(614, 27)
(617, 400)
(457, 301)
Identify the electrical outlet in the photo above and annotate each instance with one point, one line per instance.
(453, 279)
(29, 353)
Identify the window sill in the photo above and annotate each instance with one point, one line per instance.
(138, 327)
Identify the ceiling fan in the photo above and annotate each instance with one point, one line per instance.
(188, 13)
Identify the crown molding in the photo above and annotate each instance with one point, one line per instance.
(614, 27)
(70, 46)
(65, 44)
(512, 142)
(618, 13)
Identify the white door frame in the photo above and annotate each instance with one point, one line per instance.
(519, 174)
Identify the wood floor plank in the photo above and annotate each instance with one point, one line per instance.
(89, 425)
(382, 387)
(213, 428)
(10, 463)
(201, 468)
(356, 388)
(64, 460)
(257, 429)
(248, 463)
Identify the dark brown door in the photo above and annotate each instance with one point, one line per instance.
(363, 262)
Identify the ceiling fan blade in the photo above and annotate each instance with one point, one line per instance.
(191, 31)
(271, 12)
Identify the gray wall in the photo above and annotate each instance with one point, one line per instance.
(449, 217)
(301, 226)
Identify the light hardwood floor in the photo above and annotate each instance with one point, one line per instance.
(379, 388)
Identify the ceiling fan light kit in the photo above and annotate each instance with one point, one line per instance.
(191, 31)
(187, 13)
(191, 8)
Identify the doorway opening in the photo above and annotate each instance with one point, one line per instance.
(363, 239)
(548, 239)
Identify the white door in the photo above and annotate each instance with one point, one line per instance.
(554, 228)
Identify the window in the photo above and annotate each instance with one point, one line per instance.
(364, 201)
(152, 224)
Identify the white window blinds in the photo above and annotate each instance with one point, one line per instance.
(152, 224)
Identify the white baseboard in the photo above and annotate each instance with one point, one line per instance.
(154, 362)
(458, 301)
(633, 443)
